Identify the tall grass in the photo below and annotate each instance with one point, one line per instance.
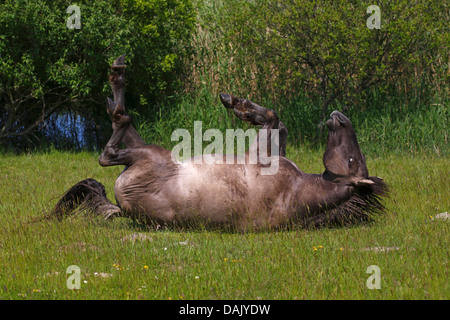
(385, 124)
(409, 115)
(404, 124)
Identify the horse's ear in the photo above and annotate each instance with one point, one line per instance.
(110, 106)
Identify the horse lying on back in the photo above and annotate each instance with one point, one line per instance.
(158, 190)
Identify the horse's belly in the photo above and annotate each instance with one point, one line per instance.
(216, 195)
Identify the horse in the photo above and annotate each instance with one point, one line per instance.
(156, 189)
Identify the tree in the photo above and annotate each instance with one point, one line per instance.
(161, 35)
(47, 68)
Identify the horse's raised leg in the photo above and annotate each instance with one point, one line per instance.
(90, 194)
(131, 139)
(257, 115)
(112, 155)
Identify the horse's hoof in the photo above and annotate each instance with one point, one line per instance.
(121, 121)
(227, 100)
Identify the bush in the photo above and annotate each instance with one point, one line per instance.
(47, 69)
(278, 49)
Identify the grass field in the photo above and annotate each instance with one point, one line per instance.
(409, 245)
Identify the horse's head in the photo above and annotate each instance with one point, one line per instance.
(343, 159)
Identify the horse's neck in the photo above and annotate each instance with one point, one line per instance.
(316, 192)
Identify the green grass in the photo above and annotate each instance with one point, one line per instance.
(199, 264)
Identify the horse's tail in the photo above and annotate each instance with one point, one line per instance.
(88, 194)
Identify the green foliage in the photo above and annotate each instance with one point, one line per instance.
(394, 123)
(161, 32)
(301, 58)
(280, 49)
(45, 67)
